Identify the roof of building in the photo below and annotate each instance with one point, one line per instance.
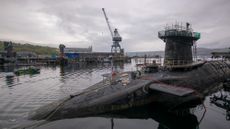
(78, 50)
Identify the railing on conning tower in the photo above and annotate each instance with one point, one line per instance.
(178, 31)
(172, 62)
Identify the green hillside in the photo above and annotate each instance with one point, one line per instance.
(40, 50)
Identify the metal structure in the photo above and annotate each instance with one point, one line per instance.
(116, 38)
(8, 48)
(61, 48)
(179, 40)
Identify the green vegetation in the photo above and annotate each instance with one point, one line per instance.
(40, 50)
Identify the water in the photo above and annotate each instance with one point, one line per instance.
(21, 94)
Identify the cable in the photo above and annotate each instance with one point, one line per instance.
(205, 110)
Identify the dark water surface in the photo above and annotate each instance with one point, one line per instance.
(21, 94)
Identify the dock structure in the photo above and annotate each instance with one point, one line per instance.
(8, 55)
(179, 40)
(95, 57)
(71, 55)
(88, 56)
(223, 55)
(100, 57)
(26, 61)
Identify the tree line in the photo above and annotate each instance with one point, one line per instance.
(40, 50)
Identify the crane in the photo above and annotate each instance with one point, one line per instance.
(116, 38)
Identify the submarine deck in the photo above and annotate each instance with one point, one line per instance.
(105, 88)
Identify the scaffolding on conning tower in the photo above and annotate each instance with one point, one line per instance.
(194, 51)
(180, 48)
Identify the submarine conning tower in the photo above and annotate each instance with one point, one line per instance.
(179, 40)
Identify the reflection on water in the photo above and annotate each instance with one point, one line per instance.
(142, 117)
(222, 100)
(9, 80)
(166, 120)
(22, 94)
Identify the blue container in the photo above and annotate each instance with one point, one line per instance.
(72, 55)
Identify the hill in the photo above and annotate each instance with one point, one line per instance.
(40, 50)
(202, 52)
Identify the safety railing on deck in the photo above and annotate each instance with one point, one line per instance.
(176, 62)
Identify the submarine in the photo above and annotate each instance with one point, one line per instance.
(182, 82)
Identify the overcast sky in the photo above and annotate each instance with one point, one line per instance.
(80, 23)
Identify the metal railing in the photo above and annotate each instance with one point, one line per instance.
(176, 62)
(176, 33)
(178, 30)
(180, 27)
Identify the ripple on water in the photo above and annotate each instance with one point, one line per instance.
(22, 94)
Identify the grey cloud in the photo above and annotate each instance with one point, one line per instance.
(80, 23)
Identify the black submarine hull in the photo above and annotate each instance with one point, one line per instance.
(105, 97)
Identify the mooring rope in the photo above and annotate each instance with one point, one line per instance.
(205, 110)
